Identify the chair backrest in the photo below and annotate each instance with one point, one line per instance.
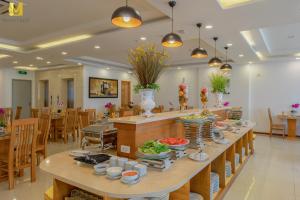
(126, 113)
(8, 115)
(70, 119)
(18, 112)
(44, 127)
(23, 141)
(83, 119)
(158, 109)
(45, 110)
(270, 116)
(92, 114)
(34, 112)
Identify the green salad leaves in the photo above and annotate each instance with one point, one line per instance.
(153, 147)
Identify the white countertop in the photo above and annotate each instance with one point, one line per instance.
(65, 169)
(138, 119)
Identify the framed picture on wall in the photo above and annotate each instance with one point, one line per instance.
(103, 88)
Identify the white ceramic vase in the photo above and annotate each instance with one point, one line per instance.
(219, 99)
(147, 101)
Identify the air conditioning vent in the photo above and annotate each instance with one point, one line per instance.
(4, 4)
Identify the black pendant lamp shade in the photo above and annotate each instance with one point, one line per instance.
(226, 66)
(126, 17)
(215, 61)
(199, 52)
(172, 39)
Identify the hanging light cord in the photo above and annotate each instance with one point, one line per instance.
(215, 48)
(199, 38)
(172, 20)
(126, 3)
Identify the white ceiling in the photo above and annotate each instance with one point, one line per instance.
(271, 22)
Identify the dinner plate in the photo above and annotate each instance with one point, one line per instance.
(79, 153)
(199, 156)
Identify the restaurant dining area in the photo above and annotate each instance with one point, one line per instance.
(149, 100)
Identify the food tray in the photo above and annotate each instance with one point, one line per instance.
(93, 159)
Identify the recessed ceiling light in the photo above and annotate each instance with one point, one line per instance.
(129, 72)
(97, 47)
(9, 47)
(15, 62)
(64, 53)
(241, 55)
(48, 62)
(226, 4)
(79, 63)
(108, 68)
(143, 38)
(250, 62)
(209, 26)
(179, 68)
(31, 65)
(26, 68)
(4, 56)
(39, 58)
(297, 54)
(229, 44)
(64, 41)
(298, 58)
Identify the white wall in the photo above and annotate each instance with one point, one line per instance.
(101, 72)
(6, 77)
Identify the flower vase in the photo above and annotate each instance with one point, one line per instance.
(147, 101)
(219, 99)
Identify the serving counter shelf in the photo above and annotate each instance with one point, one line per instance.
(183, 177)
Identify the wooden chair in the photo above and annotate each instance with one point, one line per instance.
(8, 115)
(276, 127)
(18, 112)
(22, 149)
(158, 109)
(42, 140)
(45, 110)
(77, 125)
(68, 125)
(34, 112)
(92, 115)
(83, 121)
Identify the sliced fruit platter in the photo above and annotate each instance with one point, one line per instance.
(153, 150)
(174, 142)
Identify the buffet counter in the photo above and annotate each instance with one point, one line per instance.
(184, 176)
(133, 131)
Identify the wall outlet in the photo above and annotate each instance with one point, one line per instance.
(125, 149)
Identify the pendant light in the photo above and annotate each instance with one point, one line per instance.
(226, 66)
(199, 52)
(126, 17)
(215, 61)
(172, 39)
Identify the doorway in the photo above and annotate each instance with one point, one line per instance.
(70, 93)
(21, 96)
(125, 93)
(44, 93)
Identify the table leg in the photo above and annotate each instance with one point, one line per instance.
(292, 127)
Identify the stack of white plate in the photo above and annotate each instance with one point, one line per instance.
(236, 159)
(214, 183)
(228, 168)
(195, 196)
(163, 197)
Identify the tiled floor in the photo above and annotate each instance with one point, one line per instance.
(272, 173)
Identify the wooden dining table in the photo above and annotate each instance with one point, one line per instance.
(291, 123)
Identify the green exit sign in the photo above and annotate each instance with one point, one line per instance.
(22, 72)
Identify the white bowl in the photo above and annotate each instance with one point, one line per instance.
(114, 171)
(100, 168)
(128, 178)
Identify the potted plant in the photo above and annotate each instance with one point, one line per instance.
(2, 120)
(111, 110)
(219, 82)
(295, 108)
(148, 63)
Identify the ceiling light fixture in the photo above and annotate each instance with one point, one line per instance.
(9, 47)
(97, 47)
(172, 39)
(226, 66)
(259, 54)
(64, 41)
(215, 61)
(26, 68)
(108, 68)
(208, 26)
(229, 44)
(4, 56)
(64, 53)
(143, 38)
(48, 62)
(250, 62)
(241, 55)
(248, 37)
(226, 4)
(199, 52)
(179, 68)
(298, 58)
(79, 63)
(126, 17)
(15, 62)
(39, 58)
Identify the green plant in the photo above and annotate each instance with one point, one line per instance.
(219, 82)
(147, 63)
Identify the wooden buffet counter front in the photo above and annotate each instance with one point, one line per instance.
(133, 131)
(183, 177)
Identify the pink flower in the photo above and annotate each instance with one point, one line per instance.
(2, 111)
(108, 105)
(226, 103)
(296, 105)
(204, 90)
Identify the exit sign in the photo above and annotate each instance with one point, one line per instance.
(22, 72)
